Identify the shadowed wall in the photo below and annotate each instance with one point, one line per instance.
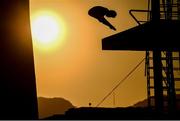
(17, 75)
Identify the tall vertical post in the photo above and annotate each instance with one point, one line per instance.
(155, 10)
(169, 9)
(178, 4)
(148, 79)
(18, 98)
(158, 85)
(170, 73)
(171, 85)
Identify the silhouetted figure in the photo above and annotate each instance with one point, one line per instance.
(99, 12)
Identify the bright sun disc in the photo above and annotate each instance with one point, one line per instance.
(47, 30)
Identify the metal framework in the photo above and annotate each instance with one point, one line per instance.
(162, 60)
(169, 10)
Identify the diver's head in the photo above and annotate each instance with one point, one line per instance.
(111, 13)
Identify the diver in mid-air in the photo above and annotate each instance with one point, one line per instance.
(99, 12)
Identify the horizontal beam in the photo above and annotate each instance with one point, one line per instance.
(146, 37)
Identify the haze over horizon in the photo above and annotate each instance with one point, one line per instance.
(78, 69)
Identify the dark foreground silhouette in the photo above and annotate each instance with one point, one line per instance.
(17, 73)
(114, 113)
(138, 111)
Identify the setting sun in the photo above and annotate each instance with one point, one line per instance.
(48, 30)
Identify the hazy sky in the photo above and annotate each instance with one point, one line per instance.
(79, 70)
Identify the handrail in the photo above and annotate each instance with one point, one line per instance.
(134, 10)
(162, 12)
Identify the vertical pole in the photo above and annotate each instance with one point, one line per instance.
(158, 85)
(164, 8)
(169, 9)
(155, 8)
(178, 5)
(171, 88)
(170, 74)
(148, 78)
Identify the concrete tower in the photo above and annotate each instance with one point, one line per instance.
(18, 98)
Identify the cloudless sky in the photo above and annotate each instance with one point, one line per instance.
(79, 70)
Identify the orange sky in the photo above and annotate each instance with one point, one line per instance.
(79, 70)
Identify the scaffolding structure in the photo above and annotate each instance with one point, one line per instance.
(169, 11)
(162, 64)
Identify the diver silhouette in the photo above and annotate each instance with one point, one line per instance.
(99, 12)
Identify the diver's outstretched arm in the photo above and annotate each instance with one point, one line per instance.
(104, 21)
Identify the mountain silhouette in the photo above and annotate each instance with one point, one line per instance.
(59, 108)
(144, 103)
(51, 106)
(137, 111)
